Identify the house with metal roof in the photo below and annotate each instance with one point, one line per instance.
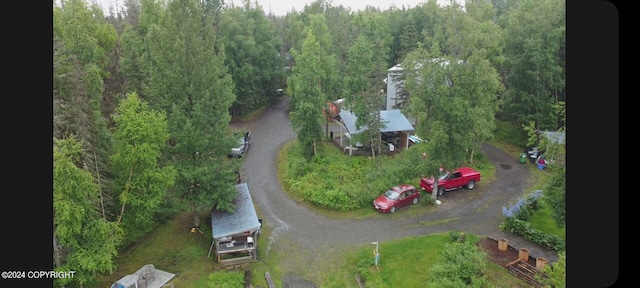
(235, 234)
(394, 123)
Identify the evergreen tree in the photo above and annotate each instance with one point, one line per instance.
(84, 241)
(190, 82)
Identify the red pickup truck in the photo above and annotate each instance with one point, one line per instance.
(462, 177)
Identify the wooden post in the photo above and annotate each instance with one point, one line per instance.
(540, 262)
(524, 254)
(503, 244)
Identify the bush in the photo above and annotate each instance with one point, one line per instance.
(463, 265)
(516, 222)
(526, 230)
(523, 208)
(226, 279)
(427, 199)
(457, 236)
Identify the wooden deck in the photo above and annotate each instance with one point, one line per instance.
(535, 250)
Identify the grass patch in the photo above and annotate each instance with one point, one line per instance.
(542, 220)
(401, 261)
(172, 248)
(407, 261)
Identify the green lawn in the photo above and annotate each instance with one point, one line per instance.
(543, 221)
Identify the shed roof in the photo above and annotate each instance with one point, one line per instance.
(393, 120)
(555, 137)
(243, 219)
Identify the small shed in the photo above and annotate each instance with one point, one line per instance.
(235, 234)
(393, 121)
(556, 137)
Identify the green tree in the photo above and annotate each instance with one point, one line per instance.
(326, 69)
(191, 84)
(141, 183)
(82, 41)
(479, 84)
(251, 55)
(292, 32)
(454, 100)
(342, 37)
(535, 60)
(408, 38)
(84, 32)
(84, 241)
(363, 93)
(304, 86)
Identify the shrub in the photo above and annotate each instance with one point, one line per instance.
(516, 222)
(526, 230)
(557, 272)
(427, 199)
(523, 208)
(463, 265)
(457, 236)
(332, 199)
(363, 267)
(226, 279)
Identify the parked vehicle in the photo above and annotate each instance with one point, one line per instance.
(396, 198)
(462, 177)
(244, 142)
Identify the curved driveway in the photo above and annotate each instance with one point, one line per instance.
(299, 227)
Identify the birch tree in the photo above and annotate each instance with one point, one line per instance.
(304, 86)
(141, 183)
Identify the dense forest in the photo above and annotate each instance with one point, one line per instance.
(143, 96)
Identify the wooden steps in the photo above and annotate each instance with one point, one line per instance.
(527, 272)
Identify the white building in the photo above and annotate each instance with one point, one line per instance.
(397, 97)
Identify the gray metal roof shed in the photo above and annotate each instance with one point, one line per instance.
(243, 219)
(393, 120)
(555, 137)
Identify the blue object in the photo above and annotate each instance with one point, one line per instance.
(541, 166)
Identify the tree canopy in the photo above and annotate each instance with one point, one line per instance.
(143, 97)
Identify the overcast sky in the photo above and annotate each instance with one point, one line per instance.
(282, 7)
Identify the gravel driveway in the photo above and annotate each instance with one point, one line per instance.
(311, 241)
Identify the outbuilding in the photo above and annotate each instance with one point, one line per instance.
(395, 126)
(235, 235)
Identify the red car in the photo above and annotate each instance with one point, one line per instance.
(462, 177)
(396, 198)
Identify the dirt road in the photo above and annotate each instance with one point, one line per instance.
(309, 241)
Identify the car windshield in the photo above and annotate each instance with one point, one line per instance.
(391, 194)
(443, 176)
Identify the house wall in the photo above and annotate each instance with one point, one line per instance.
(392, 86)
